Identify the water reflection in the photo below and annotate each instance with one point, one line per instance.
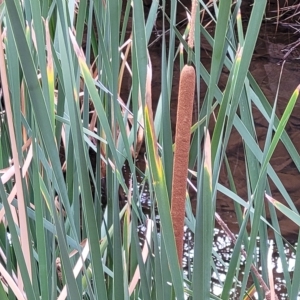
(223, 246)
(222, 251)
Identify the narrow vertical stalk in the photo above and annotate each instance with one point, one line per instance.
(192, 25)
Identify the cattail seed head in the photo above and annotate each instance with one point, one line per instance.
(181, 153)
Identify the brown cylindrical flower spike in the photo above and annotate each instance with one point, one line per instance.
(181, 153)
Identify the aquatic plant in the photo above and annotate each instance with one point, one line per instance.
(186, 95)
(76, 84)
(181, 153)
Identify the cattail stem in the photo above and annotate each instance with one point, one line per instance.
(181, 153)
(192, 29)
(192, 24)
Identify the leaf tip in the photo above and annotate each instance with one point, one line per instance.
(77, 50)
